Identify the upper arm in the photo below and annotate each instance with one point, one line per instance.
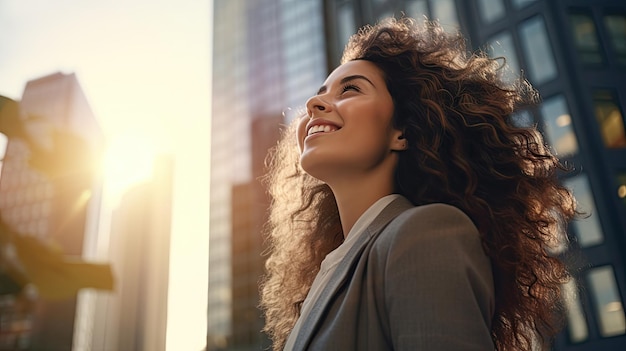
(438, 285)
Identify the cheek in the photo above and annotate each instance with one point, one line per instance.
(301, 132)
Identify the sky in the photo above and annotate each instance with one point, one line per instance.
(134, 58)
(144, 66)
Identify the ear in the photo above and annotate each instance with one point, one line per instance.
(398, 141)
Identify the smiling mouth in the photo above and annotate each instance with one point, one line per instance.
(321, 128)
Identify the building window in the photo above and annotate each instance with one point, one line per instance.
(522, 3)
(557, 124)
(445, 12)
(417, 9)
(491, 10)
(501, 45)
(346, 25)
(607, 300)
(522, 119)
(586, 38)
(610, 119)
(385, 14)
(537, 50)
(587, 229)
(577, 328)
(616, 27)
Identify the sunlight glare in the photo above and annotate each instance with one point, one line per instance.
(147, 79)
(128, 160)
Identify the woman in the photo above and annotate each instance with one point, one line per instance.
(409, 213)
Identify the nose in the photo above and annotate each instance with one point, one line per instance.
(317, 103)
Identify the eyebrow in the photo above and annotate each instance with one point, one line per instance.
(345, 80)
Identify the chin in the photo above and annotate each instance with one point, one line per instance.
(316, 168)
(310, 170)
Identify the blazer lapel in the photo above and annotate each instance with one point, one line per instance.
(340, 275)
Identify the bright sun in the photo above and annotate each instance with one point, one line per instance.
(129, 160)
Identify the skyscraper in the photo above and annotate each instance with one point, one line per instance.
(138, 245)
(269, 56)
(57, 201)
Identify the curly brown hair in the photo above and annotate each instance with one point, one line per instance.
(465, 151)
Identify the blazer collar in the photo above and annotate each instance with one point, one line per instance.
(340, 275)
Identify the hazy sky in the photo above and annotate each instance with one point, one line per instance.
(140, 62)
(145, 68)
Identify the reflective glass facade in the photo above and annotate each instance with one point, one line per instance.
(491, 10)
(557, 124)
(607, 301)
(537, 50)
(268, 57)
(586, 38)
(610, 118)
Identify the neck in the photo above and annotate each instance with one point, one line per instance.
(355, 196)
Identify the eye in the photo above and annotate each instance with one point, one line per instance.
(349, 87)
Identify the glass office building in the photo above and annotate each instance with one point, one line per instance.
(270, 55)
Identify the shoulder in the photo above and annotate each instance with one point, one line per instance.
(434, 226)
(434, 279)
(435, 214)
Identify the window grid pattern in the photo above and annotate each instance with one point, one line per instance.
(268, 57)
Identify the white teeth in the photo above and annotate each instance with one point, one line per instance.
(321, 128)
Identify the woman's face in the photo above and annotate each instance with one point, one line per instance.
(349, 124)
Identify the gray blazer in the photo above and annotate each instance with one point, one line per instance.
(417, 279)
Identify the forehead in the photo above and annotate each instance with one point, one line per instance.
(357, 67)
